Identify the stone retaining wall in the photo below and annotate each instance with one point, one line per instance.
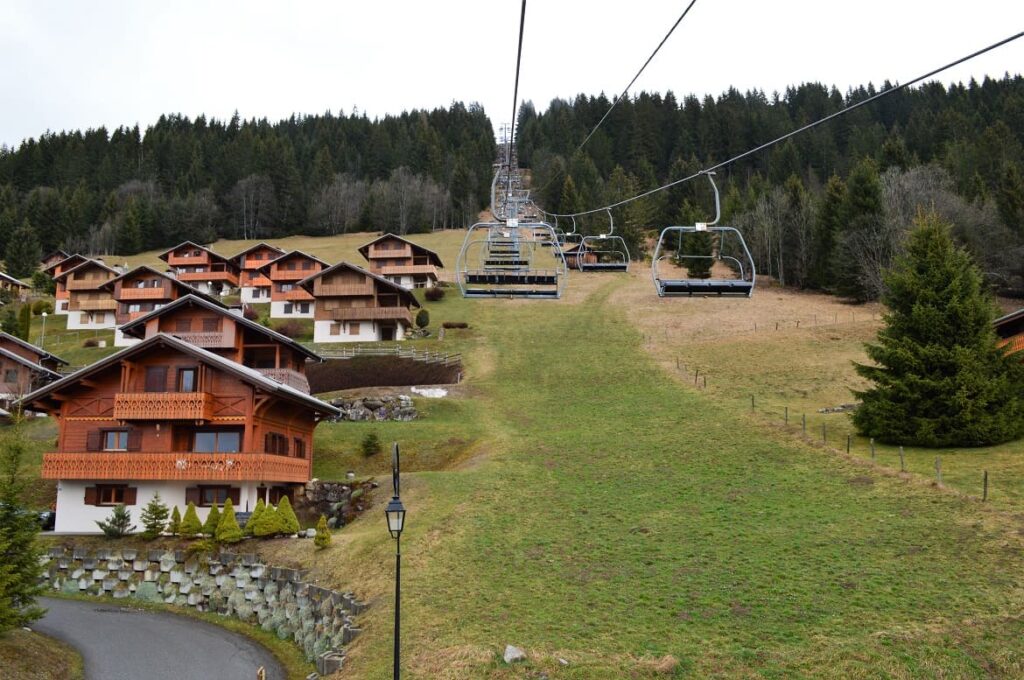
(376, 408)
(239, 585)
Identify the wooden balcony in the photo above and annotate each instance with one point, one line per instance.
(219, 276)
(188, 260)
(366, 314)
(160, 293)
(125, 317)
(251, 279)
(343, 289)
(207, 339)
(107, 305)
(410, 269)
(287, 376)
(376, 252)
(85, 284)
(176, 466)
(295, 294)
(163, 406)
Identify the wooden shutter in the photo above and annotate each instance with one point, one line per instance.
(94, 440)
(182, 325)
(90, 495)
(134, 440)
(192, 495)
(156, 378)
(130, 495)
(210, 325)
(235, 494)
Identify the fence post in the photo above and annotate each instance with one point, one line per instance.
(786, 416)
(938, 469)
(872, 448)
(804, 419)
(823, 439)
(696, 372)
(984, 491)
(903, 463)
(705, 382)
(848, 437)
(751, 402)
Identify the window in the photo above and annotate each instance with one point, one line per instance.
(115, 440)
(304, 308)
(113, 494)
(288, 308)
(156, 379)
(155, 283)
(208, 495)
(85, 318)
(353, 328)
(287, 287)
(300, 447)
(187, 379)
(275, 443)
(182, 325)
(136, 307)
(141, 283)
(211, 325)
(11, 375)
(217, 441)
(307, 265)
(335, 329)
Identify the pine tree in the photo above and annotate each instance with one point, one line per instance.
(370, 446)
(24, 321)
(1010, 199)
(939, 378)
(154, 517)
(212, 520)
(287, 515)
(257, 512)
(228, 530)
(9, 322)
(826, 232)
(22, 254)
(190, 524)
(119, 523)
(174, 526)
(323, 534)
(20, 566)
(861, 218)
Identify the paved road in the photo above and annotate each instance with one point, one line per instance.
(121, 643)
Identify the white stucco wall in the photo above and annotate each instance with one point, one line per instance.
(62, 307)
(248, 295)
(120, 340)
(100, 320)
(368, 332)
(74, 516)
(277, 311)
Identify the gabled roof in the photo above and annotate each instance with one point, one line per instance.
(13, 281)
(137, 328)
(364, 249)
(54, 253)
(28, 363)
(32, 348)
(249, 375)
(85, 265)
(191, 244)
(237, 257)
(78, 258)
(307, 282)
(292, 253)
(184, 287)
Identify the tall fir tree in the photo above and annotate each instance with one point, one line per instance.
(827, 227)
(861, 216)
(1010, 198)
(22, 253)
(20, 566)
(938, 377)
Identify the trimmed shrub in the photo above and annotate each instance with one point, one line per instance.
(370, 446)
(287, 515)
(422, 318)
(323, 534)
(190, 524)
(254, 517)
(174, 526)
(250, 313)
(212, 520)
(40, 306)
(291, 328)
(91, 342)
(228, 530)
(154, 517)
(434, 294)
(455, 324)
(269, 523)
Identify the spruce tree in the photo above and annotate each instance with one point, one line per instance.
(20, 566)
(1010, 198)
(154, 517)
(228, 530)
(939, 378)
(119, 523)
(24, 321)
(254, 517)
(826, 233)
(22, 253)
(174, 526)
(190, 524)
(323, 534)
(370, 446)
(212, 520)
(288, 519)
(861, 217)
(9, 322)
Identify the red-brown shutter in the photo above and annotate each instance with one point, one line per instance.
(192, 495)
(94, 440)
(134, 440)
(90, 495)
(156, 378)
(235, 494)
(130, 495)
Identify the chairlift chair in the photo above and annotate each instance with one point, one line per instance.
(742, 262)
(603, 252)
(506, 263)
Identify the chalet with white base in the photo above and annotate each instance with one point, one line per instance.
(401, 261)
(253, 283)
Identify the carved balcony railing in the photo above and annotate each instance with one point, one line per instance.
(222, 276)
(85, 284)
(80, 305)
(176, 466)
(287, 376)
(206, 339)
(406, 269)
(163, 406)
(366, 314)
(159, 293)
(294, 294)
(188, 260)
(342, 289)
(376, 252)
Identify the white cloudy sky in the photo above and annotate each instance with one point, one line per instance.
(67, 64)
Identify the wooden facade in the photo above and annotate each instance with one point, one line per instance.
(353, 304)
(52, 258)
(143, 290)
(401, 261)
(20, 375)
(90, 304)
(254, 283)
(33, 353)
(55, 269)
(202, 268)
(287, 298)
(1010, 329)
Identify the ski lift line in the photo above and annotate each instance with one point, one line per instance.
(515, 96)
(638, 73)
(798, 131)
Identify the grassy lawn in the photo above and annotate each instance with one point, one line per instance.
(26, 655)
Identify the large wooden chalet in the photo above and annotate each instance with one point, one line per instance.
(287, 299)
(202, 268)
(1010, 329)
(354, 305)
(168, 416)
(401, 261)
(254, 284)
(90, 305)
(24, 367)
(54, 266)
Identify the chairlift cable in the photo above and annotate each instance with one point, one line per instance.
(515, 100)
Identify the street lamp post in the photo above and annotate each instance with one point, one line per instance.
(42, 337)
(395, 513)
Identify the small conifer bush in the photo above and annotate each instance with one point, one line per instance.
(288, 519)
(212, 520)
(118, 524)
(228, 530)
(323, 534)
(174, 526)
(190, 524)
(154, 517)
(254, 518)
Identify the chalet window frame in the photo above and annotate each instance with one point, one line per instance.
(300, 447)
(216, 490)
(122, 433)
(151, 381)
(10, 375)
(108, 495)
(289, 308)
(217, 446)
(180, 382)
(353, 328)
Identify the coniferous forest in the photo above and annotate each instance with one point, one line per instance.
(828, 209)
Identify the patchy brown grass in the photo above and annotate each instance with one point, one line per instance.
(27, 655)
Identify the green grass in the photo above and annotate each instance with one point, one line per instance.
(26, 655)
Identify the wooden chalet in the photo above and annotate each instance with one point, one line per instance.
(54, 270)
(16, 288)
(1010, 329)
(228, 334)
(202, 268)
(401, 261)
(354, 305)
(170, 417)
(90, 305)
(287, 299)
(53, 257)
(31, 352)
(141, 291)
(254, 284)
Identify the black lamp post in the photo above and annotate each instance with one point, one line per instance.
(395, 513)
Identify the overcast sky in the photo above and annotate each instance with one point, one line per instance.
(66, 65)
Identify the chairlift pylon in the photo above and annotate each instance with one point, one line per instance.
(742, 263)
